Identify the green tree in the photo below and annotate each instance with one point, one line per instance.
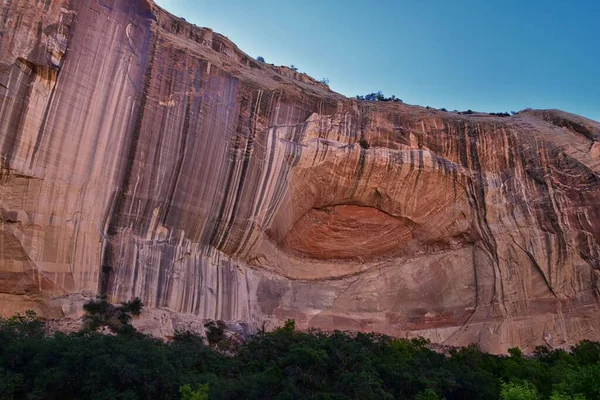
(101, 313)
(427, 394)
(289, 325)
(518, 391)
(282, 364)
(187, 393)
(561, 396)
(215, 331)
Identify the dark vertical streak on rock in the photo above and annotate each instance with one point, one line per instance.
(182, 154)
(112, 224)
(13, 130)
(360, 172)
(245, 166)
(216, 227)
(43, 126)
(136, 270)
(52, 91)
(477, 199)
(536, 266)
(268, 173)
(163, 282)
(217, 288)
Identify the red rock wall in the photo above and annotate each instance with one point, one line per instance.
(143, 156)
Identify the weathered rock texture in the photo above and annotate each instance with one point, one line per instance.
(143, 156)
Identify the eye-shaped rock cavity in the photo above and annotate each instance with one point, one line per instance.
(360, 233)
(347, 231)
(404, 203)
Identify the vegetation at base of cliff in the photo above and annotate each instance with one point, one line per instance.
(100, 313)
(283, 364)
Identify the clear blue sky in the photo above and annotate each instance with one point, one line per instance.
(486, 55)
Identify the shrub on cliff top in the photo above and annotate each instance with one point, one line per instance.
(378, 96)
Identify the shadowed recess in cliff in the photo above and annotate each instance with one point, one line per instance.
(363, 233)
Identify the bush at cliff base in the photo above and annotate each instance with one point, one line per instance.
(283, 364)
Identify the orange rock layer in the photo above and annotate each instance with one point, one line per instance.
(143, 156)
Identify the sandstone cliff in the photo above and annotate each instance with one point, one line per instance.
(143, 156)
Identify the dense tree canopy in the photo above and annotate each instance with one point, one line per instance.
(283, 364)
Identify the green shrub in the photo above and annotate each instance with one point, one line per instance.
(562, 396)
(378, 96)
(101, 313)
(215, 331)
(427, 394)
(289, 326)
(516, 391)
(187, 393)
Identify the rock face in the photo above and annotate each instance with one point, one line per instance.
(143, 156)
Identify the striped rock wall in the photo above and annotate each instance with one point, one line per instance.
(144, 156)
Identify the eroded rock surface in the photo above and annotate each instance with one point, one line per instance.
(143, 156)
